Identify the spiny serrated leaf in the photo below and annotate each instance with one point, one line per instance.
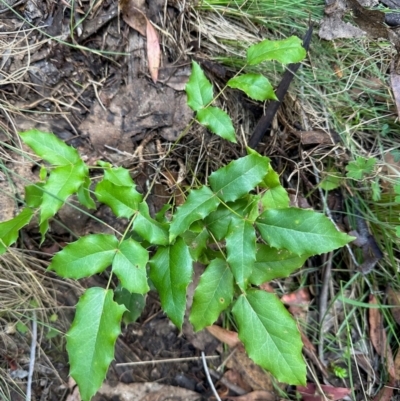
(303, 232)
(271, 179)
(196, 241)
(50, 148)
(34, 194)
(134, 303)
(241, 250)
(151, 230)
(160, 216)
(239, 177)
(213, 294)
(199, 204)
(87, 256)
(275, 198)
(218, 221)
(62, 183)
(218, 122)
(91, 339)
(270, 336)
(119, 176)
(252, 210)
(255, 86)
(123, 201)
(274, 263)
(9, 230)
(171, 272)
(43, 228)
(129, 265)
(286, 51)
(198, 89)
(84, 197)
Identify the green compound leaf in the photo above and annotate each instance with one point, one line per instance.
(199, 89)
(255, 86)
(218, 122)
(171, 272)
(274, 263)
(84, 197)
(118, 176)
(303, 232)
(286, 51)
(34, 194)
(270, 336)
(360, 167)
(199, 204)
(275, 198)
(91, 339)
(151, 230)
(89, 255)
(271, 179)
(239, 177)
(129, 265)
(218, 222)
(62, 183)
(123, 201)
(50, 148)
(134, 303)
(213, 294)
(241, 250)
(9, 230)
(196, 241)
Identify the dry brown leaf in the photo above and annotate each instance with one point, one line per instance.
(397, 367)
(228, 337)
(153, 50)
(147, 392)
(133, 13)
(267, 287)
(255, 396)
(395, 83)
(315, 137)
(74, 394)
(394, 300)
(386, 393)
(298, 302)
(253, 375)
(378, 338)
(234, 377)
(312, 393)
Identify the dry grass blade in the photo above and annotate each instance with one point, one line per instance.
(26, 291)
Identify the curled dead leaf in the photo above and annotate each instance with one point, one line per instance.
(312, 393)
(258, 395)
(153, 50)
(226, 336)
(133, 13)
(378, 337)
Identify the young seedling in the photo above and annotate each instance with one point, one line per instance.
(240, 227)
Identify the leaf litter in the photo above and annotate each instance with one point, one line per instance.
(66, 87)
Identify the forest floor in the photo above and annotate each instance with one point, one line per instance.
(80, 69)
